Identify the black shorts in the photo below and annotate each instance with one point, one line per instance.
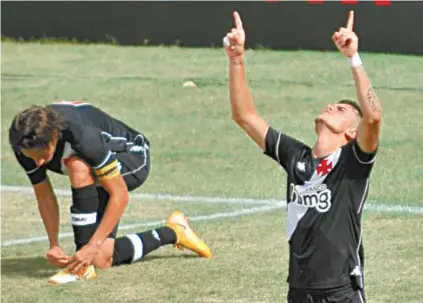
(348, 294)
(135, 167)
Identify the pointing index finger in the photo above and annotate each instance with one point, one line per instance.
(350, 21)
(238, 22)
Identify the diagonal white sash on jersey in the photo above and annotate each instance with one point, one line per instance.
(297, 211)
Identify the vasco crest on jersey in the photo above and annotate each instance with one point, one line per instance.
(314, 193)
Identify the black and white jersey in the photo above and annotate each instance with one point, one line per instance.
(325, 200)
(92, 135)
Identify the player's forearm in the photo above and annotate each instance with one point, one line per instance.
(369, 102)
(49, 211)
(240, 95)
(114, 210)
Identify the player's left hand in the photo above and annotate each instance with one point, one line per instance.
(345, 39)
(82, 258)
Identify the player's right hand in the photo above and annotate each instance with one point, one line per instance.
(234, 41)
(57, 256)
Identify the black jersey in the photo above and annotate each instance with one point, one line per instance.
(325, 200)
(92, 135)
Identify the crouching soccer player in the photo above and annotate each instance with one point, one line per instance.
(327, 183)
(104, 159)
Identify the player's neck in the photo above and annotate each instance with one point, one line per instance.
(327, 142)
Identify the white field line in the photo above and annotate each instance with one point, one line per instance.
(245, 211)
(169, 197)
(383, 208)
(267, 205)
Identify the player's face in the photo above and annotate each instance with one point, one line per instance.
(339, 118)
(41, 156)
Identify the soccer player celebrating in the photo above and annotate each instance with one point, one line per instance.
(104, 159)
(327, 183)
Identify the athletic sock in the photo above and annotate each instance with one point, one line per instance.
(84, 213)
(133, 247)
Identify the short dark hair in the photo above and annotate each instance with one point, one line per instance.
(353, 104)
(35, 128)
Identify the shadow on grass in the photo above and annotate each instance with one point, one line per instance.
(35, 266)
(38, 267)
(159, 257)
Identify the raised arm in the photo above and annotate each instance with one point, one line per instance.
(369, 128)
(243, 110)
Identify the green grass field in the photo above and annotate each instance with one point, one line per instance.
(198, 151)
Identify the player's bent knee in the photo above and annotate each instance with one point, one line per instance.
(102, 262)
(104, 258)
(79, 172)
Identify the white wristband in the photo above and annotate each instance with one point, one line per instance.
(226, 42)
(355, 60)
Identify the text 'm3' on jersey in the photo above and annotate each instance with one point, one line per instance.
(92, 135)
(325, 199)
